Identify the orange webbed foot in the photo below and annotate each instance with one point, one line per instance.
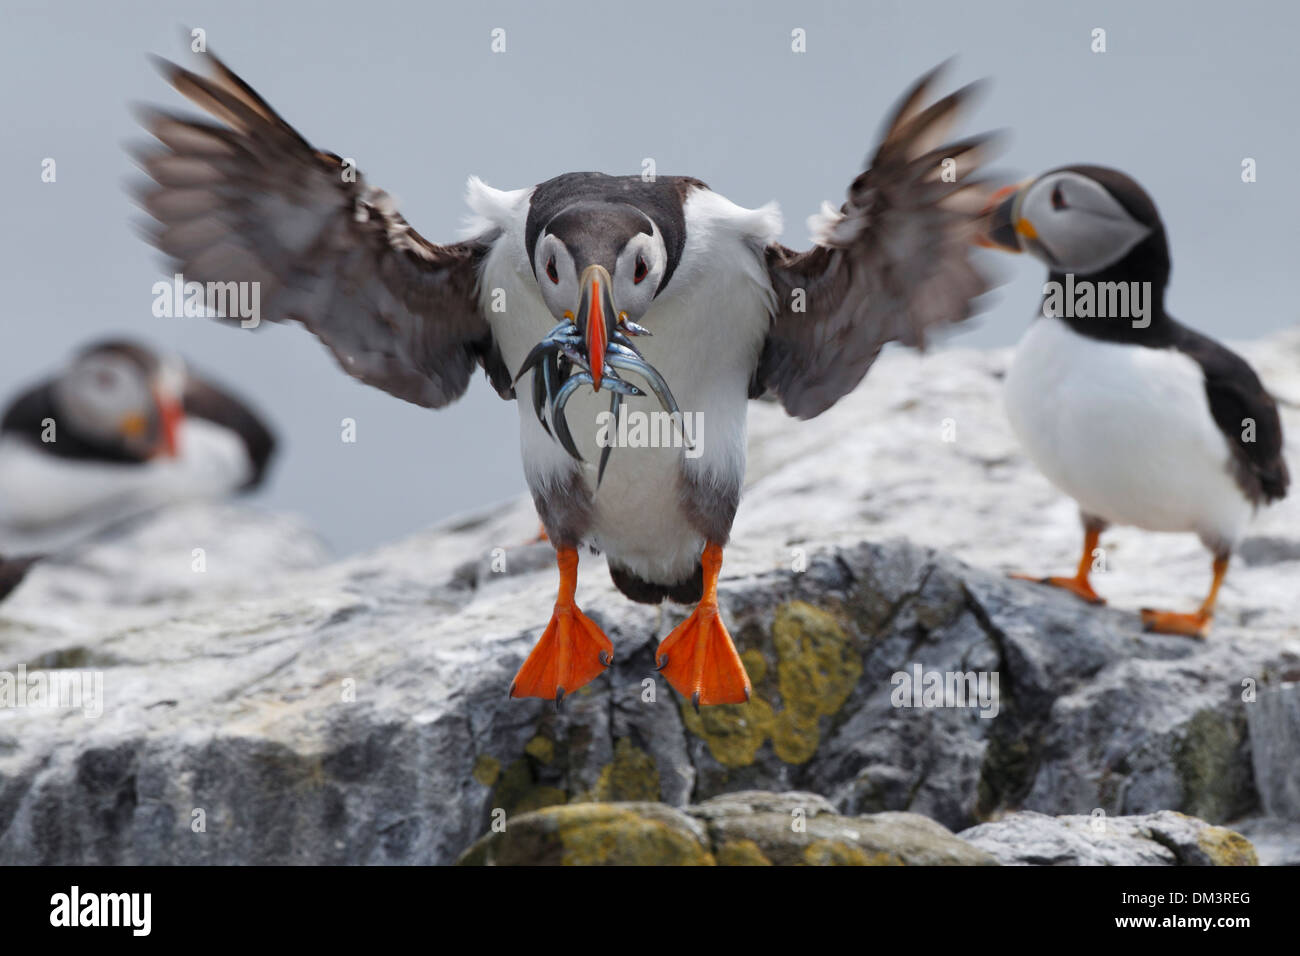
(571, 652)
(1195, 625)
(700, 661)
(698, 658)
(1079, 587)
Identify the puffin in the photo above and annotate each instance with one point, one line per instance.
(1142, 420)
(120, 430)
(597, 299)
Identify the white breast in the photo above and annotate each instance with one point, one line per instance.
(1126, 431)
(46, 500)
(709, 325)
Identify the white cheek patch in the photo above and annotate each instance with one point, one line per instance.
(650, 247)
(559, 296)
(1091, 233)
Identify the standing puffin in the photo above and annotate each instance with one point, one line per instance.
(592, 293)
(119, 431)
(1140, 419)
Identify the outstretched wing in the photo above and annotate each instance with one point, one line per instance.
(249, 200)
(891, 264)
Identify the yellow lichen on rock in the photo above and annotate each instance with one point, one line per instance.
(486, 770)
(631, 776)
(1227, 847)
(518, 792)
(742, 853)
(541, 748)
(593, 835)
(834, 853)
(817, 668)
(734, 732)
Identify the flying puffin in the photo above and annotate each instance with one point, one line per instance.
(594, 294)
(119, 431)
(1142, 420)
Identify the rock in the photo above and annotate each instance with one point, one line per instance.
(282, 708)
(1277, 842)
(1153, 839)
(596, 834)
(1274, 723)
(740, 829)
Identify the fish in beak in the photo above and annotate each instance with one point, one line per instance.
(591, 348)
(1002, 227)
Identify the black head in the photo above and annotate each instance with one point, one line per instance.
(1091, 221)
(122, 398)
(602, 248)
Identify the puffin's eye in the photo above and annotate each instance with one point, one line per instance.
(641, 270)
(1058, 198)
(550, 271)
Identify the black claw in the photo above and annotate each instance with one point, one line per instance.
(559, 698)
(606, 658)
(695, 701)
(663, 662)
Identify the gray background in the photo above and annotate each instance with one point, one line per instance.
(413, 92)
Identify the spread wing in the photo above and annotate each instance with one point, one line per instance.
(890, 265)
(247, 199)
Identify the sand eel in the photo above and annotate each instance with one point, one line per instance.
(1140, 419)
(593, 294)
(119, 431)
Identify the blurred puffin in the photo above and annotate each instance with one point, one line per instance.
(1140, 419)
(596, 294)
(119, 431)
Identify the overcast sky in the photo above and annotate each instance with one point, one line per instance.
(414, 92)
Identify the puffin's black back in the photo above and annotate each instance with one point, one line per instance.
(204, 400)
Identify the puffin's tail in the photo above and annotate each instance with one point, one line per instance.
(636, 588)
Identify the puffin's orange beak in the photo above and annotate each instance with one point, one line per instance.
(596, 318)
(1001, 227)
(170, 415)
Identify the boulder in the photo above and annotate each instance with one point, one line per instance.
(279, 706)
(748, 828)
